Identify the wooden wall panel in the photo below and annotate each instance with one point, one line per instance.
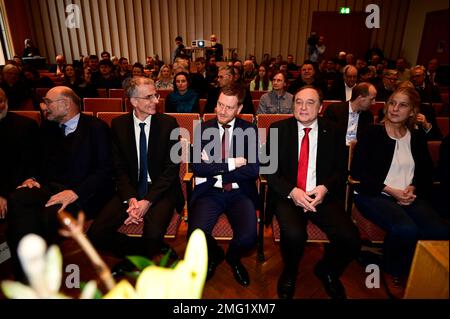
(137, 28)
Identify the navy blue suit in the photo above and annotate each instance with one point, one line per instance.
(209, 202)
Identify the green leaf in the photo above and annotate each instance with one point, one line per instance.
(165, 259)
(140, 262)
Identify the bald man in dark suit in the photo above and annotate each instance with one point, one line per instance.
(306, 186)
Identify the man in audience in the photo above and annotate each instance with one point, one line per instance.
(18, 92)
(342, 90)
(291, 66)
(310, 175)
(225, 182)
(58, 68)
(227, 77)
(147, 178)
(18, 141)
(216, 49)
(249, 72)
(73, 173)
(388, 85)
(402, 71)
(307, 77)
(105, 55)
(277, 101)
(354, 116)
(108, 79)
(428, 92)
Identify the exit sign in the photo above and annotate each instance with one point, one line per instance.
(344, 10)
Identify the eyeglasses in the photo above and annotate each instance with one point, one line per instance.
(148, 97)
(229, 108)
(47, 102)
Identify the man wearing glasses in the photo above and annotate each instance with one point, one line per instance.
(73, 171)
(147, 180)
(225, 182)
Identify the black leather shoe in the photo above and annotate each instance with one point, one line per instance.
(332, 285)
(286, 286)
(122, 268)
(240, 273)
(213, 262)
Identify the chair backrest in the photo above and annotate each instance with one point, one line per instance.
(433, 148)
(326, 103)
(265, 120)
(376, 107)
(163, 93)
(442, 122)
(102, 93)
(34, 115)
(187, 121)
(41, 92)
(256, 95)
(255, 105)
(107, 117)
(116, 93)
(88, 113)
(245, 117)
(201, 106)
(25, 105)
(102, 105)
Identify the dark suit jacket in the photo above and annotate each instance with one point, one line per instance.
(163, 172)
(89, 169)
(245, 176)
(18, 136)
(337, 91)
(373, 156)
(331, 169)
(338, 113)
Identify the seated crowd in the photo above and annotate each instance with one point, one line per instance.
(129, 174)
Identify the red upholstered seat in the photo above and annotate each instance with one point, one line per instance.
(102, 105)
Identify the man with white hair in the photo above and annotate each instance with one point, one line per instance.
(342, 90)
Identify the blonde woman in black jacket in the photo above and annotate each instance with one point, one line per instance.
(394, 168)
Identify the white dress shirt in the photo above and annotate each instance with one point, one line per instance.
(231, 162)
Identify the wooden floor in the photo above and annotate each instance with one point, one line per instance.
(263, 275)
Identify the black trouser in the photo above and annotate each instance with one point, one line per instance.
(332, 219)
(27, 214)
(103, 232)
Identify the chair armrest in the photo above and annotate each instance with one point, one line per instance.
(187, 178)
(352, 181)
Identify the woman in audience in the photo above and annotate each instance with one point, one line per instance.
(261, 82)
(72, 77)
(165, 80)
(394, 168)
(183, 99)
(86, 88)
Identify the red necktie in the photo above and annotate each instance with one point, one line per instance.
(302, 171)
(225, 149)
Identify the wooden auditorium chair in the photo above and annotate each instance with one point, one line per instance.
(102, 105)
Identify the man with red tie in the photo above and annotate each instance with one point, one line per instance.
(306, 186)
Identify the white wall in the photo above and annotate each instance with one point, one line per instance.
(415, 22)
